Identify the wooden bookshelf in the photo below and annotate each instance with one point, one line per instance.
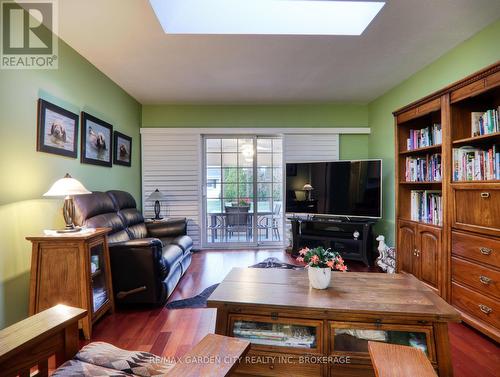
(424, 150)
(470, 230)
(494, 138)
(421, 183)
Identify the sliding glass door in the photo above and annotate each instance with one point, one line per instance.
(243, 191)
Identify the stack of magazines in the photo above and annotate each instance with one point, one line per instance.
(423, 169)
(427, 206)
(425, 137)
(476, 164)
(485, 123)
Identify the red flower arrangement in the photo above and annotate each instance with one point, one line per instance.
(320, 257)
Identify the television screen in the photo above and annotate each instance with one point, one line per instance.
(337, 188)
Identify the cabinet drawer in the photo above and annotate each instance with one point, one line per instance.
(269, 364)
(480, 249)
(477, 209)
(476, 304)
(467, 91)
(485, 280)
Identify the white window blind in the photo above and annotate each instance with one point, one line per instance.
(312, 147)
(171, 163)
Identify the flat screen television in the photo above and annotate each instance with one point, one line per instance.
(335, 188)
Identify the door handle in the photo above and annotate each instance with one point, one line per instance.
(485, 195)
(485, 250)
(485, 309)
(484, 279)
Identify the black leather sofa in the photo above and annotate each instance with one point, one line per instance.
(147, 259)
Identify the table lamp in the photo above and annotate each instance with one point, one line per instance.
(307, 187)
(67, 187)
(157, 196)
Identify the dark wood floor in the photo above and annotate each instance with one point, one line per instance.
(173, 332)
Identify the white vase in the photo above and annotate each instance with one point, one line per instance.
(319, 278)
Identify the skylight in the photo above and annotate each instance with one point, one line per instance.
(287, 17)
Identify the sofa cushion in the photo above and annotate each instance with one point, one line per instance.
(122, 199)
(185, 242)
(97, 210)
(88, 206)
(172, 255)
(77, 368)
(143, 364)
(132, 219)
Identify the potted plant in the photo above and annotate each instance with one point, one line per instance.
(320, 263)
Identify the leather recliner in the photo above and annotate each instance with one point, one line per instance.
(147, 259)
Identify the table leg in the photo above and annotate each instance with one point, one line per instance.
(443, 353)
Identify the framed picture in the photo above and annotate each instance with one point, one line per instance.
(57, 130)
(122, 154)
(97, 141)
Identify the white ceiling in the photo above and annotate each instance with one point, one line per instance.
(124, 40)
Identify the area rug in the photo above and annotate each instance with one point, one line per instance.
(200, 301)
(276, 263)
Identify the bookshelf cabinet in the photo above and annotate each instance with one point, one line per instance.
(448, 224)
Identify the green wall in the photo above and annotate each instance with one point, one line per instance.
(470, 56)
(293, 115)
(26, 174)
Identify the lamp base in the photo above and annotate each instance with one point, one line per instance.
(69, 230)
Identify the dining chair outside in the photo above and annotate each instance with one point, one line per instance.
(238, 220)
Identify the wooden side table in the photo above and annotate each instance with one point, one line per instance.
(72, 269)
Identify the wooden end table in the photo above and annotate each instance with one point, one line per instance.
(299, 331)
(72, 269)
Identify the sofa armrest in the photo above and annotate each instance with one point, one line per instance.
(140, 242)
(32, 341)
(168, 228)
(219, 355)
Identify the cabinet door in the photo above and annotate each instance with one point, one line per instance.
(428, 254)
(100, 290)
(406, 246)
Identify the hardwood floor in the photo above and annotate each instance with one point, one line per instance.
(174, 332)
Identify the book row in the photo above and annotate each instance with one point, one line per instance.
(476, 164)
(485, 123)
(427, 206)
(425, 137)
(423, 169)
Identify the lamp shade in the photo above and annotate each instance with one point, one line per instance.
(67, 186)
(307, 187)
(156, 195)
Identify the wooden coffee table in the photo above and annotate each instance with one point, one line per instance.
(299, 331)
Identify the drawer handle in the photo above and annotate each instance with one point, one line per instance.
(484, 279)
(485, 309)
(271, 366)
(485, 195)
(485, 250)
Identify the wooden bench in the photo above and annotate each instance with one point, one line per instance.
(28, 345)
(392, 360)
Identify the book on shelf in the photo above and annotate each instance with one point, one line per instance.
(427, 206)
(425, 137)
(476, 164)
(485, 123)
(423, 169)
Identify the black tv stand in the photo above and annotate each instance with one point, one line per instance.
(351, 237)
